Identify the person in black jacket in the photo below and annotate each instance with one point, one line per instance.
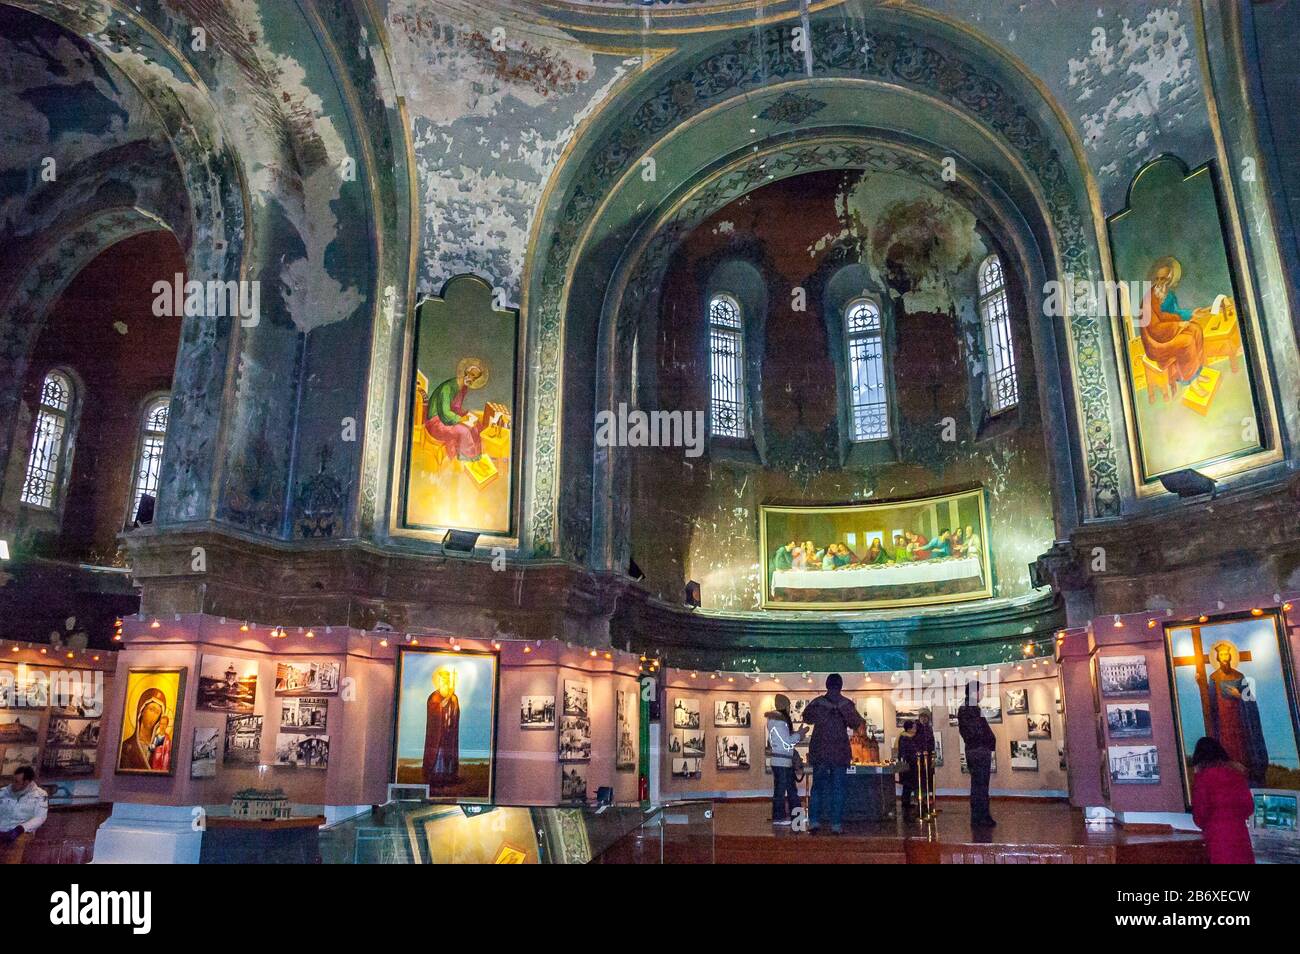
(979, 741)
(908, 749)
(832, 716)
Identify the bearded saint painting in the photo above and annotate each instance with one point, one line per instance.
(442, 731)
(1234, 713)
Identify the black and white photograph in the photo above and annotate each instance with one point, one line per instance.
(731, 714)
(304, 712)
(575, 739)
(1039, 724)
(1024, 756)
(14, 757)
(686, 767)
(1134, 764)
(243, 739)
(904, 714)
(302, 751)
(573, 783)
(1123, 676)
(796, 710)
(227, 684)
(577, 693)
(686, 714)
(1129, 720)
(1056, 693)
(732, 752)
(990, 708)
(64, 763)
(938, 748)
(307, 677)
(19, 728)
(1017, 701)
(688, 743)
(79, 733)
(1060, 755)
(625, 742)
(537, 712)
(203, 759)
(79, 699)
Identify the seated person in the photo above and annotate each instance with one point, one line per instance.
(784, 558)
(900, 551)
(813, 555)
(875, 554)
(799, 559)
(842, 556)
(958, 543)
(941, 546)
(972, 542)
(916, 546)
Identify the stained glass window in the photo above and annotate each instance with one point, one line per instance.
(868, 394)
(153, 431)
(1003, 386)
(50, 441)
(727, 410)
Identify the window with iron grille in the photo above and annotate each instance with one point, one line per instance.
(153, 431)
(726, 368)
(1003, 387)
(50, 440)
(868, 394)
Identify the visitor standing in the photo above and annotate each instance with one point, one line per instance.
(781, 741)
(980, 742)
(1221, 803)
(832, 717)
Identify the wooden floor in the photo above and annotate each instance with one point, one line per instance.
(1028, 832)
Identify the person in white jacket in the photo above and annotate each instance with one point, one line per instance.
(23, 809)
(781, 742)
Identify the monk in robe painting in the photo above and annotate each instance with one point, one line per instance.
(1171, 339)
(449, 423)
(1234, 713)
(442, 731)
(138, 749)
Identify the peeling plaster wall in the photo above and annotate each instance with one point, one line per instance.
(698, 518)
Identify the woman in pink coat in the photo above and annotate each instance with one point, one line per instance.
(1221, 803)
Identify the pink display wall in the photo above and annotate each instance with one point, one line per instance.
(360, 715)
(1038, 679)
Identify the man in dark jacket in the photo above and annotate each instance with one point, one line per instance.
(832, 717)
(980, 742)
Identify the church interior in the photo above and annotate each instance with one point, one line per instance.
(541, 431)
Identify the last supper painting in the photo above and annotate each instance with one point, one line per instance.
(446, 722)
(905, 553)
(460, 472)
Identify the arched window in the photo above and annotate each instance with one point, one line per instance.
(726, 368)
(868, 395)
(51, 440)
(1003, 387)
(148, 464)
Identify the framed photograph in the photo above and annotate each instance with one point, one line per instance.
(577, 698)
(686, 767)
(21, 728)
(872, 710)
(74, 733)
(537, 712)
(302, 751)
(573, 784)
(1040, 725)
(70, 763)
(1024, 756)
(731, 714)
(227, 684)
(624, 740)
(1128, 720)
(1234, 681)
(307, 677)
(1017, 701)
(1134, 764)
(243, 740)
(575, 738)
(732, 752)
(912, 552)
(990, 709)
(688, 743)
(686, 713)
(961, 753)
(1060, 755)
(203, 757)
(304, 712)
(798, 705)
(151, 718)
(904, 714)
(445, 724)
(1123, 676)
(14, 757)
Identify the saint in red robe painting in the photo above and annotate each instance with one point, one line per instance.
(1171, 339)
(442, 731)
(1234, 713)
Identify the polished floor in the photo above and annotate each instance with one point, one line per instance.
(1028, 832)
